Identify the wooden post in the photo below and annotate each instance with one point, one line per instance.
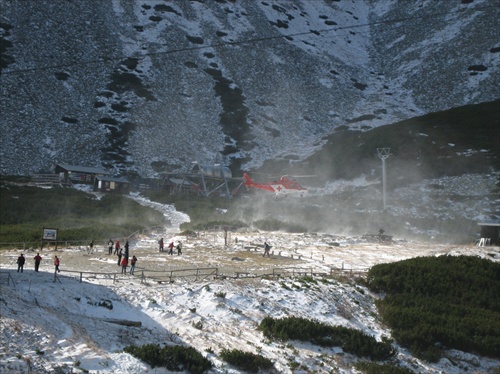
(56, 277)
(81, 277)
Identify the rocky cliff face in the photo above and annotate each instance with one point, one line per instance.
(149, 86)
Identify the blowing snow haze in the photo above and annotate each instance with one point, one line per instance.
(143, 87)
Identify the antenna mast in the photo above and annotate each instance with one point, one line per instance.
(383, 154)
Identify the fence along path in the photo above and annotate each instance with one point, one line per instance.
(200, 274)
(191, 274)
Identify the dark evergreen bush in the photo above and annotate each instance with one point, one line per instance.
(375, 368)
(433, 303)
(247, 361)
(174, 358)
(350, 340)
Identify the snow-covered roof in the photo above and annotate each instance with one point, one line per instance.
(83, 169)
(489, 223)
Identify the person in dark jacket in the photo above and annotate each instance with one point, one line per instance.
(132, 265)
(125, 252)
(38, 259)
(267, 248)
(20, 263)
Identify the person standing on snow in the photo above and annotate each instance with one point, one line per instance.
(171, 248)
(56, 264)
(20, 263)
(125, 253)
(110, 247)
(124, 265)
(179, 248)
(38, 259)
(119, 254)
(132, 265)
(117, 247)
(160, 243)
(267, 248)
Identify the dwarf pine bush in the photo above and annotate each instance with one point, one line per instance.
(174, 358)
(350, 340)
(434, 303)
(246, 361)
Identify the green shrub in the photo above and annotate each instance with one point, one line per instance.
(174, 358)
(375, 368)
(350, 340)
(441, 302)
(246, 361)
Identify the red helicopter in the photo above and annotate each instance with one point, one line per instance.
(283, 186)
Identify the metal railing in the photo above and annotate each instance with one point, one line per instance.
(193, 274)
(7, 278)
(169, 276)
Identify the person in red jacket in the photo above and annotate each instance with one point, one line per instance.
(117, 246)
(37, 258)
(171, 248)
(56, 264)
(124, 265)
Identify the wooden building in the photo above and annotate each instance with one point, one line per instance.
(490, 230)
(79, 174)
(111, 184)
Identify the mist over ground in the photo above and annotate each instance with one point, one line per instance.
(440, 210)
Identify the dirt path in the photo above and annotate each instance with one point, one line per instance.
(319, 252)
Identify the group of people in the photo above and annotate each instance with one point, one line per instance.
(21, 260)
(171, 247)
(122, 253)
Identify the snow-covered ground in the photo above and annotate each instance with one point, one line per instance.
(64, 326)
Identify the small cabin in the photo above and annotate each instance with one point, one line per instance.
(490, 230)
(182, 186)
(79, 174)
(111, 184)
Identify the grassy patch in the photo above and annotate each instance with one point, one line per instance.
(78, 215)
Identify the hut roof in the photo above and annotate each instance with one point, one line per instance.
(489, 223)
(83, 169)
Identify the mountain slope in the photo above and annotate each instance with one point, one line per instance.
(145, 87)
(448, 143)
